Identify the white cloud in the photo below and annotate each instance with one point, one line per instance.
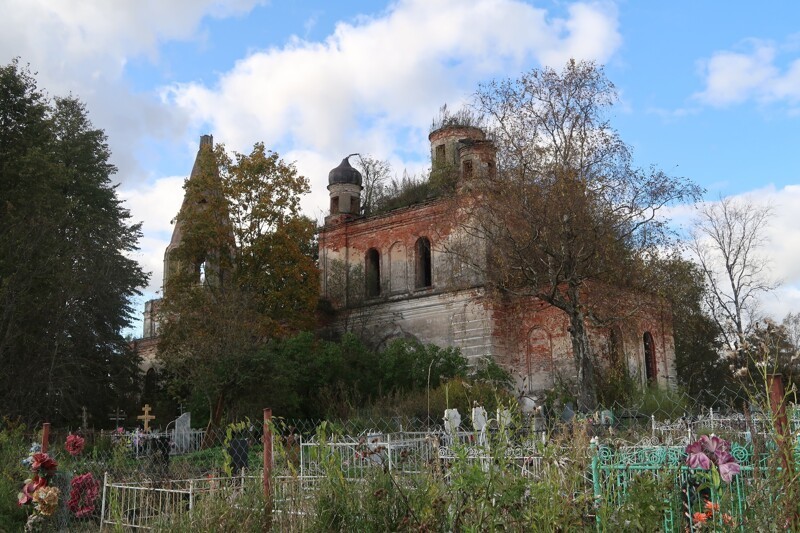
(733, 77)
(782, 248)
(375, 83)
(83, 48)
(155, 205)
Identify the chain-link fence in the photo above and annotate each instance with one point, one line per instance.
(154, 480)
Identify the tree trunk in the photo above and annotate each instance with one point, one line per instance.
(582, 352)
(214, 422)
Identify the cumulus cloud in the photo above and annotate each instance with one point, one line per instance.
(155, 205)
(84, 47)
(754, 73)
(374, 83)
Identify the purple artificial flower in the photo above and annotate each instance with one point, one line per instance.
(714, 444)
(708, 451)
(697, 457)
(728, 467)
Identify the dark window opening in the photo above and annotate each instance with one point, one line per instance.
(492, 169)
(424, 276)
(440, 154)
(334, 205)
(650, 368)
(150, 386)
(354, 205)
(373, 273)
(467, 169)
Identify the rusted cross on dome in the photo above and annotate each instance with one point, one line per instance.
(147, 417)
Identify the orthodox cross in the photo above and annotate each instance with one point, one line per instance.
(147, 417)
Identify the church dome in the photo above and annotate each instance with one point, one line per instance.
(344, 173)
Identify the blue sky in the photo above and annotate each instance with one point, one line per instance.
(708, 90)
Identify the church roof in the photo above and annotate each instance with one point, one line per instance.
(344, 173)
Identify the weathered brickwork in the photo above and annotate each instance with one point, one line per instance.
(373, 271)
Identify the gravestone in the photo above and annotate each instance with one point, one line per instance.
(479, 419)
(183, 429)
(238, 450)
(452, 421)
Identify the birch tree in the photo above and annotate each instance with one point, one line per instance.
(728, 238)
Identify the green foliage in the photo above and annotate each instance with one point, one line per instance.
(240, 221)
(13, 449)
(637, 505)
(66, 272)
(486, 370)
(701, 369)
(411, 365)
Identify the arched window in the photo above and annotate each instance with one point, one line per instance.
(424, 277)
(539, 359)
(373, 273)
(650, 367)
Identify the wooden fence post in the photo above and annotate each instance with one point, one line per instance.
(268, 459)
(45, 436)
(786, 444)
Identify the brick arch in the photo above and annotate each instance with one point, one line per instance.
(372, 273)
(398, 268)
(539, 358)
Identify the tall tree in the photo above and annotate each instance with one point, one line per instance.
(375, 174)
(244, 274)
(700, 368)
(66, 280)
(567, 207)
(727, 239)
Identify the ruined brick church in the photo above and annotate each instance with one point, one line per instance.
(416, 272)
(405, 273)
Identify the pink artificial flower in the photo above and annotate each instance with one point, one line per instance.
(74, 444)
(30, 486)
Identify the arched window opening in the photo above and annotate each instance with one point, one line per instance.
(467, 169)
(150, 386)
(650, 367)
(373, 273)
(440, 155)
(335, 205)
(424, 277)
(539, 359)
(202, 272)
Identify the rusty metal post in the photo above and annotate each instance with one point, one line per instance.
(777, 395)
(777, 403)
(268, 459)
(45, 436)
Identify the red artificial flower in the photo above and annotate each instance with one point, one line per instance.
(711, 507)
(41, 461)
(74, 444)
(85, 489)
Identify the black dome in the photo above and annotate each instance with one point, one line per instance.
(344, 173)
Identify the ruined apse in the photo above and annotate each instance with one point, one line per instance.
(416, 272)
